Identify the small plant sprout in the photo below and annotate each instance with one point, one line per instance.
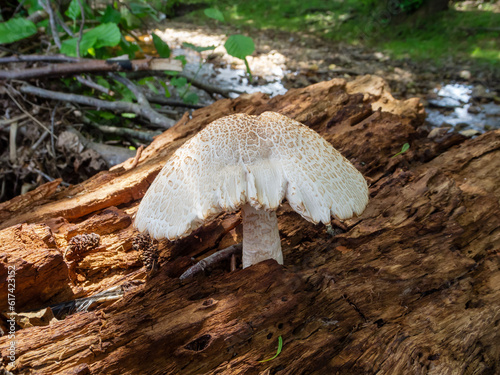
(280, 346)
(405, 148)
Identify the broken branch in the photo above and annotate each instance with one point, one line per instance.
(153, 116)
(92, 66)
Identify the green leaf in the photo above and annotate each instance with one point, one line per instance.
(32, 6)
(111, 15)
(214, 13)
(161, 46)
(165, 87)
(239, 46)
(182, 58)
(129, 48)
(73, 10)
(107, 35)
(191, 98)
(103, 82)
(16, 29)
(178, 82)
(405, 148)
(106, 115)
(68, 47)
(129, 115)
(196, 48)
(280, 346)
(142, 9)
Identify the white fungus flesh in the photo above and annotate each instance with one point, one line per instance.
(255, 160)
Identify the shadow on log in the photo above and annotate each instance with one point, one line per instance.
(412, 286)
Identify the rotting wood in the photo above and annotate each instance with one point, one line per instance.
(412, 287)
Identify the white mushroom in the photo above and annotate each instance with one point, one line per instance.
(251, 163)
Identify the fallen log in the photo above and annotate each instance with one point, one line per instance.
(412, 286)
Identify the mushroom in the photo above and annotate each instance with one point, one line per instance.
(251, 163)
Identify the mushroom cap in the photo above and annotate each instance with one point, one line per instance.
(259, 160)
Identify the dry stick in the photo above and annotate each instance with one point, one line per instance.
(209, 260)
(89, 83)
(40, 58)
(46, 5)
(80, 33)
(208, 87)
(141, 98)
(52, 120)
(11, 120)
(153, 116)
(27, 113)
(161, 99)
(92, 66)
(61, 23)
(12, 143)
(141, 135)
(40, 140)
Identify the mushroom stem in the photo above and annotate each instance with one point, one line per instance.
(261, 238)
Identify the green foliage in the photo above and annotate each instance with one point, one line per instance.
(16, 29)
(191, 98)
(280, 346)
(105, 35)
(73, 10)
(214, 13)
(161, 47)
(178, 82)
(239, 46)
(111, 15)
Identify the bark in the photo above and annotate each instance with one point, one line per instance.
(412, 286)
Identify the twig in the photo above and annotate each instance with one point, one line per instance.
(208, 87)
(137, 157)
(161, 99)
(141, 98)
(153, 116)
(89, 83)
(141, 135)
(39, 58)
(61, 23)
(46, 5)
(80, 33)
(40, 140)
(12, 143)
(47, 177)
(91, 66)
(209, 260)
(52, 121)
(27, 113)
(11, 120)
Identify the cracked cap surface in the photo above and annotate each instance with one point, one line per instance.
(258, 160)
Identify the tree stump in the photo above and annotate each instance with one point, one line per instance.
(412, 286)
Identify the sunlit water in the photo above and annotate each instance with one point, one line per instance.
(454, 103)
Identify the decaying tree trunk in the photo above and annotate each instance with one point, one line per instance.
(412, 286)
